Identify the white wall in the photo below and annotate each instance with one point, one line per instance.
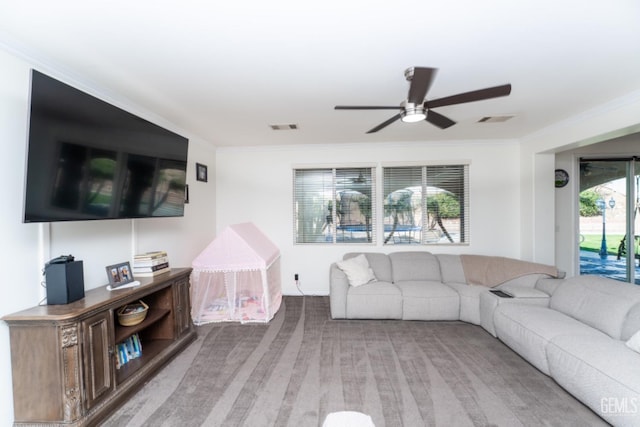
(96, 243)
(256, 185)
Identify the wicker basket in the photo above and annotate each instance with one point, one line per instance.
(128, 315)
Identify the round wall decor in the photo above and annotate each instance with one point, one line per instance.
(562, 178)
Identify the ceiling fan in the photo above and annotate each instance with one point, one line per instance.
(416, 108)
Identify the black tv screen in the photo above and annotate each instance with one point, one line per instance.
(88, 159)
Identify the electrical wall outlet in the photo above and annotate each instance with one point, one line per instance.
(295, 276)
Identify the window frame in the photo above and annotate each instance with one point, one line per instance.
(370, 230)
(465, 221)
(377, 187)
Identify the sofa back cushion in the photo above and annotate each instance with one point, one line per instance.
(415, 266)
(631, 323)
(548, 285)
(597, 301)
(451, 268)
(379, 263)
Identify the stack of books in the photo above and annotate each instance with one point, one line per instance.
(127, 350)
(150, 264)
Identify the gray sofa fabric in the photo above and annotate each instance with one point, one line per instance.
(599, 303)
(574, 330)
(383, 301)
(428, 300)
(412, 285)
(489, 302)
(414, 266)
(528, 329)
(579, 340)
(602, 373)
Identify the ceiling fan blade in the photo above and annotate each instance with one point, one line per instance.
(385, 124)
(420, 84)
(366, 107)
(474, 95)
(439, 120)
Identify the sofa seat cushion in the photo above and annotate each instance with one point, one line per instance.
(428, 300)
(375, 300)
(527, 329)
(469, 301)
(601, 372)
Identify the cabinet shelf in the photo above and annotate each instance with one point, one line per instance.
(153, 315)
(150, 349)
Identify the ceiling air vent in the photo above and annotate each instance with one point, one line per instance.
(289, 126)
(495, 119)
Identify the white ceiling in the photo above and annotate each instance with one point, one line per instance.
(225, 71)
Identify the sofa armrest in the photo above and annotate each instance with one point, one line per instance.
(338, 288)
(520, 293)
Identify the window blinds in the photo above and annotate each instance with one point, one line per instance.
(426, 204)
(334, 205)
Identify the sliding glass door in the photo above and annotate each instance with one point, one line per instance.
(609, 218)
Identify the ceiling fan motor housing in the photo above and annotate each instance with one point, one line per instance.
(412, 113)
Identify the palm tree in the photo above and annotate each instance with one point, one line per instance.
(398, 203)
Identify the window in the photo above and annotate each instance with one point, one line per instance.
(421, 205)
(426, 204)
(334, 205)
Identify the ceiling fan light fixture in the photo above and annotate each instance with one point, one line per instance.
(413, 113)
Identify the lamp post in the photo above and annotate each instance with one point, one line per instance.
(603, 207)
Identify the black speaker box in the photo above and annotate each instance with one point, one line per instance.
(65, 282)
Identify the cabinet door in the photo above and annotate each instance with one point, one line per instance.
(182, 307)
(97, 357)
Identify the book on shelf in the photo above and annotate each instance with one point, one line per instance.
(150, 262)
(150, 255)
(151, 268)
(152, 273)
(128, 350)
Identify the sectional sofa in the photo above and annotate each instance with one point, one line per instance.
(419, 285)
(584, 331)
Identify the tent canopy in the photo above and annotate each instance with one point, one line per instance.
(238, 247)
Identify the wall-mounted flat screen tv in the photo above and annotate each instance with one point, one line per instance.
(88, 159)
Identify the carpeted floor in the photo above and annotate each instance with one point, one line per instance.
(303, 365)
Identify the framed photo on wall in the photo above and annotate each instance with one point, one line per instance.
(201, 172)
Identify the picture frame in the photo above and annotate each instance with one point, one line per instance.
(119, 274)
(201, 172)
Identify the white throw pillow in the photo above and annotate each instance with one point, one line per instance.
(357, 270)
(634, 342)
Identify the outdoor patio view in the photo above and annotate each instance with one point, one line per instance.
(607, 247)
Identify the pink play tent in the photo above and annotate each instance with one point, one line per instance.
(236, 278)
